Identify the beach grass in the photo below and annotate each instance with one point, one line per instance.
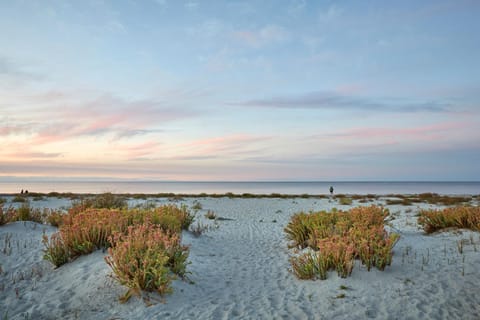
(143, 244)
(333, 240)
(144, 258)
(466, 217)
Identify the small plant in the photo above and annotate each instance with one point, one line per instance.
(199, 229)
(197, 206)
(27, 213)
(335, 239)
(55, 250)
(345, 201)
(19, 198)
(7, 215)
(210, 215)
(143, 257)
(457, 217)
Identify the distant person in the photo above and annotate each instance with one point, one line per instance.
(331, 190)
(21, 192)
(26, 191)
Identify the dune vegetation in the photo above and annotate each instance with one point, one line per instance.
(333, 240)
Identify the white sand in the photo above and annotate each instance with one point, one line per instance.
(240, 271)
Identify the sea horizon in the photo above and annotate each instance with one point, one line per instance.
(254, 187)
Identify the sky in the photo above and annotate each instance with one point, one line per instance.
(287, 90)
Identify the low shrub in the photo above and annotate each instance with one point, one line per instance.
(197, 205)
(143, 257)
(19, 198)
(335, 239)
(210, 215)
(7, 215)
(55, 250)
(457, 217)
(345, 201)
(144, 245)
(27, 213)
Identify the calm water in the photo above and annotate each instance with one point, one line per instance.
(244, 187)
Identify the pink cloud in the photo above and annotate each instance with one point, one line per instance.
(268, 35)
(222, 146)
(427, 132)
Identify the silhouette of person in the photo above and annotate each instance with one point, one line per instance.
(21, 192)
(26, 191)
(331, 190)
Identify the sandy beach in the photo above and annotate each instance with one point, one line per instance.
(239, 269)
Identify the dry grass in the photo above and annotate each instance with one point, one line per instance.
(144, 245)
(457, 217)
(335, 239)
(143, 257)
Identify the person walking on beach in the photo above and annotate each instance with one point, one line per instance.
(331, 190)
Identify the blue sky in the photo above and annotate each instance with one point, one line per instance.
(240, 90)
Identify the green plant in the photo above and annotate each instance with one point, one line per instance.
(337, 238)
(7, 215)
(345, 201)
(55, 250)
(210, 215)
(197, 205)
(458, 217)
(19, 198)
(142, 258)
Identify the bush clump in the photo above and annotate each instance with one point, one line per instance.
(456, 217)
(144, 245)
(143, 258)
(333, 240)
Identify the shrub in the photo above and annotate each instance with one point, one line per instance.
(19, 198)
(457, 217)
(27, 213)
(197, 205)
(143, 257)
(168, 217)
(7, 215)
(210, 215)
(101, 201)
(336, 238)
(54, 218)
(345, 201)
(82, 232)
(55, 250)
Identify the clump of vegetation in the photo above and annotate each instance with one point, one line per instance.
(19, 198)
(7, 215)
(144, 245)
(197, 205)
(456, 217)
(144, 258)
(210, 215)
(335, 239)
(106, 200)
(27, 213)
(345, 201)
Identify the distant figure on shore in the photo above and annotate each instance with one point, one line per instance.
(21, 192)
(26, 191)
(331, 190)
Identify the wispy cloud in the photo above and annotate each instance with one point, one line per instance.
(63, 118)
(268, 35)
(336, 101)
(226, 147)
(16, 72)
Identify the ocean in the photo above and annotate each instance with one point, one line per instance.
(153, 187)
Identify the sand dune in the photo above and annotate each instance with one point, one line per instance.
(240, 270)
